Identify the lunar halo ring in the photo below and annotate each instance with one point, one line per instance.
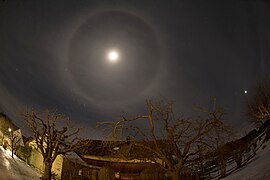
(93, 33)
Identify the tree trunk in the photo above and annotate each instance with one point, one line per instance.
(12, 150)
(223, 168)
(238, 160)
(47, 171)
(175, 175)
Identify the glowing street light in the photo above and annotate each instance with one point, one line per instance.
(246, 92)
(9, 129)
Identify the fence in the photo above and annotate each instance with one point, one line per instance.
(213, 172)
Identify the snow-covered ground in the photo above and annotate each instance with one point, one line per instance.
(15, 169)
(258, 168)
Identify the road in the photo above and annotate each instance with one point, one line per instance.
(15, 169)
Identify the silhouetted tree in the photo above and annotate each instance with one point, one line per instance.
(258, 105)
(162, 137)
(15, 140)
(53, 136)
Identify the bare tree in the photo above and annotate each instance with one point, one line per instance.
(177, 142)
(15, 140)
(258, 105)
(53, 136)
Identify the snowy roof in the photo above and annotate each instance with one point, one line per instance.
(72, 156)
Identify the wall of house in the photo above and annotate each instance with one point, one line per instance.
(72, 170)
(125, 169)
(36, 160)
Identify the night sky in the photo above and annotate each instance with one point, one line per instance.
(53, 55)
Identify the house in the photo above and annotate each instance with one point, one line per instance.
(9, 133)
(114, 164)
(126, 160)
(68, 167)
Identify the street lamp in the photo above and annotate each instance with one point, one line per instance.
(9, 129)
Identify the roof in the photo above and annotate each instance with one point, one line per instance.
(6, 122)
(119, 149)
(73, 157)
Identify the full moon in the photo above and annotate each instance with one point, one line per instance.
(113, 56)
